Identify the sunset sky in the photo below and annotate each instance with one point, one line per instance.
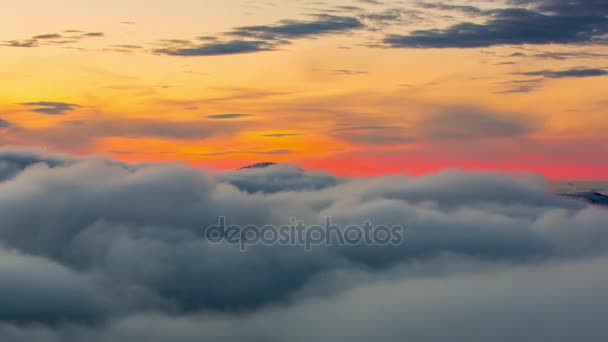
(354, 87)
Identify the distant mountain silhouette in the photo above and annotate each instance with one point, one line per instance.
(258, 166)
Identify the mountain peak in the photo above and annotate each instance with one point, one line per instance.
(258, 166)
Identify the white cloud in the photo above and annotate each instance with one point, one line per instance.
(485, 256)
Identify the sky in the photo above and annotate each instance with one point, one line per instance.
(359, 87)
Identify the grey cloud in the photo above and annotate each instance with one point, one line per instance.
(228, 116)
(93, 34)
(5, 123)
(50, 108)
(36, 290)
(471, 10)
(48, 36)
(86, 132)
(453, 123)
(52, 39)
(563, 55)
(546, 22)
(373, 134)
(530, 85)
(14, 162)
(185, 130)
(241, 152)
(391, 16)
(521, 86)
(219, 48)
(277, 179)
(517, 54)
(123, 246)
(473, 123)
(496, 297)
(281, 135)
(175, 42)
(370, 2)
(290, 29)
(250, 39)
(20, 43)
(349, 72)
(569, 73)
(340, 9)
(128, 46)
(585, 7)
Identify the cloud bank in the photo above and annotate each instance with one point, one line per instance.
(528, 22)
(98, 250)
(258, 38)
(50, 108)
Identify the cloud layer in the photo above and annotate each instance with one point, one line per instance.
(98, 250)
(249, 39)
(531, 22)
(50, 108)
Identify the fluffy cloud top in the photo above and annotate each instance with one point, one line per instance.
(98, 250)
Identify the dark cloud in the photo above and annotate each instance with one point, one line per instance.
(50, 108)
(179, 155)
(470, 10)
(370, 2)
(517, 54)
(87, 132)
(207, 38)
(373, 134)
(545, 22)
(232, 47)
(282, 135)
(569, 73)
(451, 123)
(128, 46)
(180, 130)
(349, 72)
(584, 7)
(521, 86)
(22, 276)
(339, 9)
(93, 34)
(277, 179)
(176, 42)
(241, 152)
(228, 116)
(116, 252)
(250, 39)
(20, 43)
(13, 161)
(472, 123)
(291, 29)
(52, 39)
(48, 36)
(377, 21)
(5, 123)
(563, 55)
(124, 48)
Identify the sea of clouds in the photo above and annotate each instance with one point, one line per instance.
(98, 250)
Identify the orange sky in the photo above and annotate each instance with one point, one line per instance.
(316, 84)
